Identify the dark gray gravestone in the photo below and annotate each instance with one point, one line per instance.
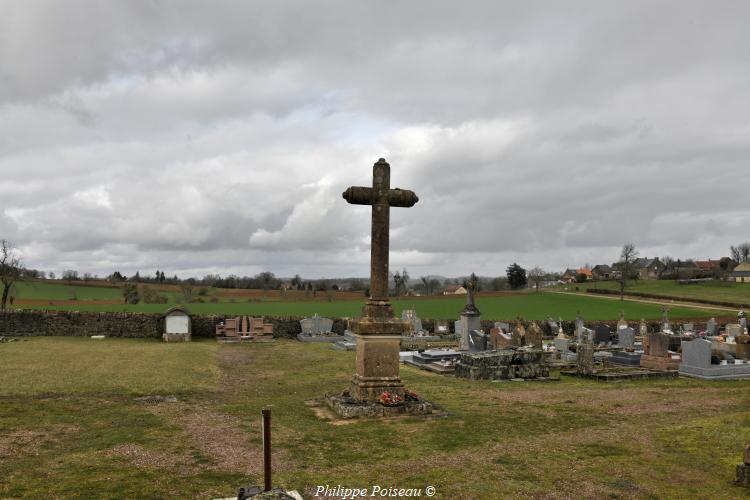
(477, 341)
(601, 334)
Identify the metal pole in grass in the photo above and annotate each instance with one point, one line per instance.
(267, 449)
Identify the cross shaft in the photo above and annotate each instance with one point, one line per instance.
(381, 197)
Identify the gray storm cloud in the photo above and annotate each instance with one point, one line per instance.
(217, 137)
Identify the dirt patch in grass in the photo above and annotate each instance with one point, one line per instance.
(219, 438)
(29, 442)
(138, 456)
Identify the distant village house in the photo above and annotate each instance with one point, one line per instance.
(454, 290)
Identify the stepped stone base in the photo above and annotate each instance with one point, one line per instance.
(348, 407)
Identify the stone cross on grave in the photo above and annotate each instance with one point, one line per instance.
(471, 286)
(378, 331)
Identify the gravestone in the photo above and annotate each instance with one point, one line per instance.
(317, 329)
(601, 334)
(696, 353)
(656, 355)
(622, 323)
(177, 325)
(696, 362)
(579, 328)
(409, 316)
(441, 327)
(742, 319)
(642, 328)
(585, 359)
(626, 338)
(561, 344)
(560, 332)
(553, 326)
(499, 339)
(658, 344)
(733, 330)
(503, 326)
(518, 337)
(665, 325)
(316, 325)
(534, 335)
(711, 328)
(687, 327)
(477, 341)
(469, 318)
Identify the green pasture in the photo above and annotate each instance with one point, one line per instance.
(78, 430)
(61, 291)
(725, 291)
(529, 306)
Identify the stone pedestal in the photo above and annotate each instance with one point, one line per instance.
(467, 322)
(378, 346)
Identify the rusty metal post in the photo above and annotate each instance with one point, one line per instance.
(267, 449)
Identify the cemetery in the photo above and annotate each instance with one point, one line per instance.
(163, 397)
(187, 405)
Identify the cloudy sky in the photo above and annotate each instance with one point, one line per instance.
(217, 137)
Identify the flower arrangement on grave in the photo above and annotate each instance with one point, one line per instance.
(411, 396)
(388, 399)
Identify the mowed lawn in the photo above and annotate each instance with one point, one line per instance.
(528, 305)
(62, 431)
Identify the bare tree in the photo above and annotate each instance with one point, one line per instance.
(627, 256)
(741, 253)
(425, 284)
(536, 276)
(10, 269)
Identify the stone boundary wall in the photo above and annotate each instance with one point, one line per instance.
(27, 323)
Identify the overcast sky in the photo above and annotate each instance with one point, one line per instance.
(217, 137)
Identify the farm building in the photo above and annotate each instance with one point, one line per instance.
(741, 273)
(454, 290)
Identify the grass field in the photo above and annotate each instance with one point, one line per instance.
(78, 430)
(41, 290)
(725, 291)
(529, 305)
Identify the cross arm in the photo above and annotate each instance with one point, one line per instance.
(358, 195)
(402, 198)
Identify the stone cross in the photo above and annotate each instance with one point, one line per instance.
(381, 197)
(378, 331)
(471, 286)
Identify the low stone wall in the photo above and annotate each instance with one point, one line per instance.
(122, 324)
(74, 323)
(28, 323)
